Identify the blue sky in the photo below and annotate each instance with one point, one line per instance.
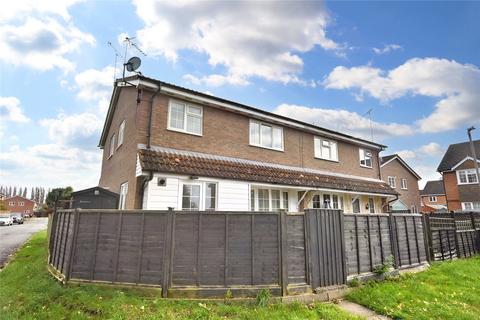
(416, 64)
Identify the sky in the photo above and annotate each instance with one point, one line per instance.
(415, 65)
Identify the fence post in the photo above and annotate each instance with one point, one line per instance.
(393, 240)
(140, 253)
(53, 235)
(427, 238)
(117, 248)
(342, 245)
(73, 246)
(476, 240)
(168, 252)
(284, 252)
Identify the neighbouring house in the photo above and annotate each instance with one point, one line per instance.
(2, 196)
(401, 177)
(460, 179)
(433, 198)
(168, 147)
(21, 205)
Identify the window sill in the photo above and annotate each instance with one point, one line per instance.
(466, 183)
(366, 167)
(110, 156)
(318, 158)
(118, 147)
(262, 147)
(185, 132)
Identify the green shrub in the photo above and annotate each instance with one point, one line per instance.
(263, 298)
(384, 267)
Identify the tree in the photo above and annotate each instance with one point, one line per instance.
(32, 194)
(14, 191)
(58, 194)
(24, 193)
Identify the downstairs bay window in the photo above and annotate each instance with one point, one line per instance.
(263, 199)
(327, 201)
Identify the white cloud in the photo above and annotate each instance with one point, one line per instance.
(51, 165)
(343, 121)
(387, 48)
(432, 149)
(40, 35)
(216, 80)
(11, 110)
(96, 85)
(79, 130)
(261, 39)
(407, 154)
(454, 84)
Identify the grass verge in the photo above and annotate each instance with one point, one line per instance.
(447, 290)
(28, 291)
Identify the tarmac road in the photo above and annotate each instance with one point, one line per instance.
(12, 237)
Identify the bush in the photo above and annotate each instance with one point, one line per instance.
(263, 298)
(384, 267)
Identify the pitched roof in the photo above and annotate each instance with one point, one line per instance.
(199, 164)
(433, 187)
(386, 159)
(245, 108)
(456, 153)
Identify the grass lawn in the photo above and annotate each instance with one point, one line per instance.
(448, 290)
(27, 291)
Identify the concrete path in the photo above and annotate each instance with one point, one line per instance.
(12, 237)
(361, 311)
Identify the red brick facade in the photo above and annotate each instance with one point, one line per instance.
(21, 205)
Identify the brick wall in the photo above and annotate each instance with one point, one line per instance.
(27, 208)
(451, 191)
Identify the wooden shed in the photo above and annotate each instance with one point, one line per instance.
(94, 198)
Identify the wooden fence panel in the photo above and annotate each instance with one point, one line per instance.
(105, 256)
(153, 247)
(296, 254)
(327, 253)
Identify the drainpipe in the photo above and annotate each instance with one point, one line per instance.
(149, 141)
(388, 203)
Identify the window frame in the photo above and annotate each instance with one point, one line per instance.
(200, 196)
(11, 203)
(121, 134)
(266, 124)
(123, 196)
(318, 154)
(432, 198)
(466, 172)
(394, 179)
(112, 146)
(371, 205)
(203, 187)
(185, 117)
(403, 184)
(254, 199)
(21, 204)
(362, 152)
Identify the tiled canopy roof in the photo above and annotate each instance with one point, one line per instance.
(239, 169)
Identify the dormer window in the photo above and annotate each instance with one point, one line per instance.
(266, 135)
(185, 118)
(325, 149)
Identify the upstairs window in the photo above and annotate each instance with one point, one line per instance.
(185, 118)
(121, 133)
(432, 199)
(404, 184)
(392, 182)
(365, 158)
(21, 204)
(325, 149)
(112, 145)
(266, 135)
(11, 203)
(467, 176)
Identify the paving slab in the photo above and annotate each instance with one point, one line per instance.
(361, 311)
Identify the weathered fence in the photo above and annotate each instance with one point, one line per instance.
(202, 254)
(178, 251)
(453, 235)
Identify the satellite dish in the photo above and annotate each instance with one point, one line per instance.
(133, 64)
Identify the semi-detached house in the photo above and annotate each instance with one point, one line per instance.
(168, 147)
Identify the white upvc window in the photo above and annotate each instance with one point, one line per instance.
(262, 199)
(327, 201)
(403, 182)
(468, 176)
(112, 146)
(325, 149)
(471, 206)
(365, 158)
(198, 196)
(186, 118)
(21, 204)
(392, 182)
(432, 199)
(123, 195)
(266, 135)
(121, 133)
(11, 203)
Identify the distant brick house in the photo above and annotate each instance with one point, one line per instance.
(433, 198)
(460, 180)
(401, 177)
(20, 205)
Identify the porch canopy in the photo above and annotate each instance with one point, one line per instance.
(167, 160)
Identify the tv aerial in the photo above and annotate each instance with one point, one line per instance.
(133, 63)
